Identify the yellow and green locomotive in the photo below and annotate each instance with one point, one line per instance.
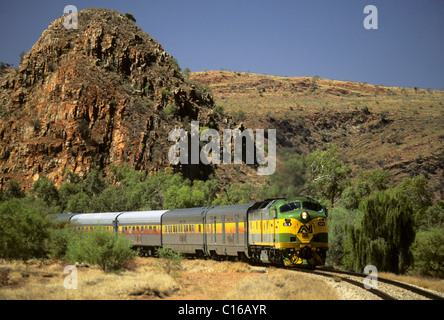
(289, 232)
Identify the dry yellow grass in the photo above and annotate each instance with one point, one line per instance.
(281, 285)
(428, 283)
(47, 283)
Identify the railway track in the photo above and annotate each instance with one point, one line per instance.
(350, 277)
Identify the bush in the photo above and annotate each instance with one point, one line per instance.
(339, 219)
(44, 189)
(110, 251)
(24, 227)
(171, 260)
(428, 251)
(130, 17)
(57, 244)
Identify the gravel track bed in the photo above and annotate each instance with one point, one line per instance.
(354, 293)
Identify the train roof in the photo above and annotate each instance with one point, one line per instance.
(135, 217)
(231, 209)
(89, 219)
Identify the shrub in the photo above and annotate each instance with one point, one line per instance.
(171, 109)
(57, 244)
(428, 252)
(24, 226)
(171, 260)
(44, 189)
(130, 17)
(109, 251)
(219, 109)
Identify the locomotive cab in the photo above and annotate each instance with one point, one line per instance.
(303, 231)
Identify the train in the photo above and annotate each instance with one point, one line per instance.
(275, 231)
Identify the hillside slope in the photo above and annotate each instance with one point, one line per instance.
(376, 127)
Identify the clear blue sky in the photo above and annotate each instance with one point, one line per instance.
(276, 37)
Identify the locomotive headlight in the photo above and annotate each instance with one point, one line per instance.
(304, 215)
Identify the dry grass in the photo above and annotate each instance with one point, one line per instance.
(281, 285)
(428, 283)
(47, 283)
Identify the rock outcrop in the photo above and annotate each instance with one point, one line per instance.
(106, 93)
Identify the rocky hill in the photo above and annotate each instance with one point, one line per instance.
(106, 93)
(375, 126)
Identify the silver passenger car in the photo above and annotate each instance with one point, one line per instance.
(143, 228)
(183, 230)
(227, 230)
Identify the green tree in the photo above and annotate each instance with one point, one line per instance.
(189, 195)
(428, 251)
(94, 183)
(79, 203)
(339, 219)
(235, 194)
(363, 185)
(386, 232)
(24, 227)
(327, 175)
(44, 189)
(13, 190)
(417, 191)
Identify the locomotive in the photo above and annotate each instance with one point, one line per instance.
(274, 231)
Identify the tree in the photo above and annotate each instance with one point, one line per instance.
(44, 189)
(13, 190)
(187, 71)
(24, 227)
(327, 175)
(421, 198)
(363, 185)
(386, 232)
(339, 219)
(428, 251)
(94, 183)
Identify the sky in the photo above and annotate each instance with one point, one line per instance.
(276, 37)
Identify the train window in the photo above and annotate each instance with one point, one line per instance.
(312, 206)
(290, 207)
(150, 230)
